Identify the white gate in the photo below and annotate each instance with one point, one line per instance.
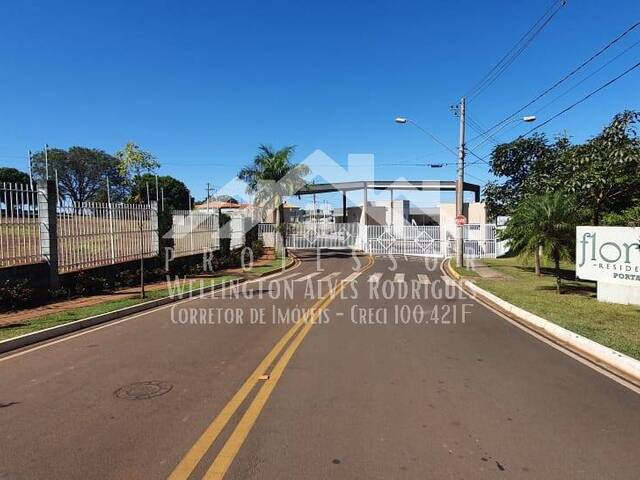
(479, 240)
(323, 235)
(426, 241)
(405, 240)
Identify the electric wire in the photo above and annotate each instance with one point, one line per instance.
(564, 78)
(521, 45)
(583, 99)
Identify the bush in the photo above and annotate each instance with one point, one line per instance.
(258, 248)
(15, 294)
(86, 284)
(628, 218)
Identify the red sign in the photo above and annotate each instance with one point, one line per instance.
(461, 220)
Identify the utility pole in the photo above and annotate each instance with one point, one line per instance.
(46, 161)
(460, 189)
(30, 169)
(208, 195)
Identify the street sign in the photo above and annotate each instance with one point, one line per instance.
(461, 220)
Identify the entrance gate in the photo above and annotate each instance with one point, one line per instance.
(426, 241)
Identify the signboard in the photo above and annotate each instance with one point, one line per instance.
(609, 255)
(461, 220)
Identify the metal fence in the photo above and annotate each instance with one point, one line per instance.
(96, 234)
(195, 232)
(19, 225)
(266, 234)
(429, 241)
(323, 235)
(479, 241)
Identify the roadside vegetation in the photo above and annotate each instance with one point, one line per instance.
(547, 189)
(42, 322)
(271, 177)
(577, 309)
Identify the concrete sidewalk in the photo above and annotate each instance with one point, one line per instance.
(484, 270)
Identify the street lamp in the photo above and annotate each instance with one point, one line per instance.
(405, 120)
(460, 169)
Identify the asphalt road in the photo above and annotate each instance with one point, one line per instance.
(400, 376)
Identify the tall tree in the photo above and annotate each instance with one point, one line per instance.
(527, 166)
(271, 177)
(133, 162)
(13, 175)
(12, 198)
(605, 171)
(176, 194)
(82, 172)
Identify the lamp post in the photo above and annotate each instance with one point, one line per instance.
(460, 154)
(460, 175)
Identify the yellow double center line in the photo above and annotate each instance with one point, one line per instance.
(230, 449)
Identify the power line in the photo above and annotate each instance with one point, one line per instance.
(548, 104)
(588, 77)
(565, 78)
(478, 128)
(476, 178)
(583, 99)
(520, 46)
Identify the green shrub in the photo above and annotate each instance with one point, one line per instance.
(628, 218)
(15, 294)
(87, 284)
(258, 248)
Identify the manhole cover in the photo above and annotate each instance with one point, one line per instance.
(143, 390)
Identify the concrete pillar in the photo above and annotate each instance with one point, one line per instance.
(155, 239)
(48, 218)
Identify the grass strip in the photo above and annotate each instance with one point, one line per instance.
(576, 309)
(54, 319)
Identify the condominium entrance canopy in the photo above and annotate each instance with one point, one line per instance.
(419, 185)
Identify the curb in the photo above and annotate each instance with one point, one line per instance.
(59, 330)
(614, 362)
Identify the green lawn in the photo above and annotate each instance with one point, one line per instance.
(466, 272)
(54, 319)
(577, 309)
(271, 266)
(51, 320)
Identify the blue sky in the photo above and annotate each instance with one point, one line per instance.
(201, 84)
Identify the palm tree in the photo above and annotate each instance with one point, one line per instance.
(521, 233)
(544, 222)
(271, 177)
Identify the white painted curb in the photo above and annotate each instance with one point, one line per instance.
(615, 362)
